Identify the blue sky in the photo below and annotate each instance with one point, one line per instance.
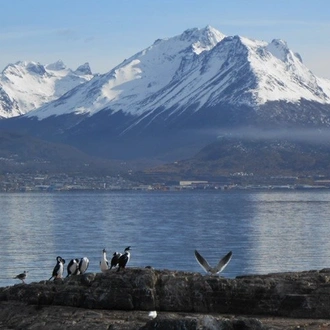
(105, 32)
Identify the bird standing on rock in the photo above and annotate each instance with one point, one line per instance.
(73, 267)
(58, 269)
(104, 264)
(22, 276)
(114, 260)
(83, 265)
(124, 258)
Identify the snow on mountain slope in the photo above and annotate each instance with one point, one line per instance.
(282, 75)
(25, 86)
(199, 68)
(135, 82)
(324, 84)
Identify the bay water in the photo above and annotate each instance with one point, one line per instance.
(267, 231)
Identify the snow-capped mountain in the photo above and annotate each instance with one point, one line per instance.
(26, 86)
(140, 81)
(197, 68)
(182, 91)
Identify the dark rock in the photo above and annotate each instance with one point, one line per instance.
(202, 322)
(202, 299)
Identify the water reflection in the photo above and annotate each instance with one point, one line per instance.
(25, 232)
(267, 232)
(290, 231)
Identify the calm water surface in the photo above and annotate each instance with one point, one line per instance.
(268, 231)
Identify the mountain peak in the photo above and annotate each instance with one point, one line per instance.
(202, 39)
(19, 67)
(56, 66)
(35, 68)
(212, 33)
(10, 68)
(27, 85)
(279, 48)
(84, 69)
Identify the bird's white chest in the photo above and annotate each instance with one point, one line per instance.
(84, 265)
(104, 264)
(60, 270)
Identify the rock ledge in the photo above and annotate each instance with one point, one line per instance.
(122, 300)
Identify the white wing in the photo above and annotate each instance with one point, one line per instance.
(219, 268)
(223, 262)
(204, 264)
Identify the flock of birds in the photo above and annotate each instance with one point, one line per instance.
(80, 266)
(119, 260)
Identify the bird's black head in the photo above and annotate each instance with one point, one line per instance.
(104, 251)
(128, 248)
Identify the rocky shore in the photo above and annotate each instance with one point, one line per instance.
(182, 300)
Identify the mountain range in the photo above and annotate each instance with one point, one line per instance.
(169, 100)
(26, 86)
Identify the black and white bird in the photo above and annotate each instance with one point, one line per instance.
(58, 269)
(73, 267)
(104, 264)
(114, 260)
(22, 276)
(83, 265)
(124, 258)
(218, 268)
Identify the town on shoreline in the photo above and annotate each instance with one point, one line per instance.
(22, 182)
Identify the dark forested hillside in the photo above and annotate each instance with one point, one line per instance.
(231, 156)
(22, 153)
